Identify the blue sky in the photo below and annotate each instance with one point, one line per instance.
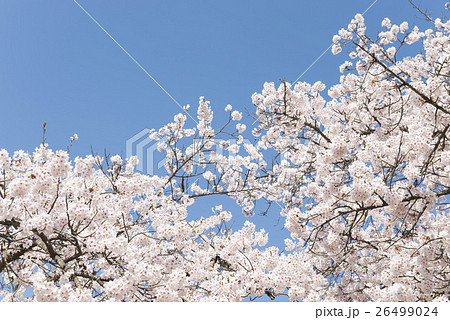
(58, 66)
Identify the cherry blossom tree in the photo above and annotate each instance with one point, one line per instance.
(360, 172)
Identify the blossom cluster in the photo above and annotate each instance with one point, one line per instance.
(359, 172)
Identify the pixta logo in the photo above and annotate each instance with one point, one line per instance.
(152, 160)
(146, 150)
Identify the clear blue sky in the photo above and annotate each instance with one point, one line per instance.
(57, 66)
